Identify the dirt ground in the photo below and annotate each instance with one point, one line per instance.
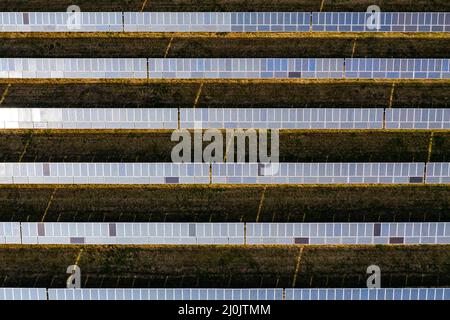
(230, 203)
(224, 266)
(224, 93)
(227, 5)
(156, 146)
(303, 45)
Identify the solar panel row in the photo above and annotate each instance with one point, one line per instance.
(224, 118)
(23, 294)
(133, 233)
(223, 173)
(226, 294)
(224, 233)
(218, 68)
(369, 294)
(88, 118)
(224, 22)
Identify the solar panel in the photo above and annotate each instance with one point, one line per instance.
(376, 68)
(226, 294)
(232, 233)
(10, 232)
(165, 294)
(282, 118)
(438, 172)
(198, 173)
(133, 233)
(388, 22)
(60, 22)
(347, 233)
(369, 294)
(223, 22)
(217, 21)
(223, 68)
(104, 173)
(88, 118)
(317, 173)
(73, 68)
(23, 294)
(408, 118)
(197, 68)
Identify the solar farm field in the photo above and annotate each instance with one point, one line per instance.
(87, 117)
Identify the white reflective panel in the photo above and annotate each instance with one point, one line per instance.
(369, 294)
(22, 294)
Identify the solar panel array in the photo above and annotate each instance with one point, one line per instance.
(226, 294)
(380, 68)
(282, 118)
(165, 294)
(133, 233)
(222, 173)
(347, 233)
(369, 294)
(224, 233)
(88, 118)
(410, 118)
(61, 22)
(23, 294)
(104, 173)
(438, 172)
(217, 21)
(381, 22)
(84, 68)
(10, 233)
(224, 22)
(317, 173)
(224, 118)
(220, 68)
